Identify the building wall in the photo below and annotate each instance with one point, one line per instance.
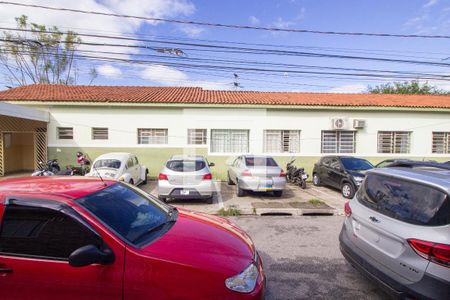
(123, 122)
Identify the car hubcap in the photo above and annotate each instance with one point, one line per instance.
(346, 190)
(316, 179)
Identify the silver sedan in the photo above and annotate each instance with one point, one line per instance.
(186, 177)
(256, 173)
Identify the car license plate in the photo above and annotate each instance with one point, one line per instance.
(304, 176)
(266, 185)
(184, 192)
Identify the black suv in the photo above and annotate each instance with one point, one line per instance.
(342, 172)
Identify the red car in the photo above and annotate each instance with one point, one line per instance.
(82, 238)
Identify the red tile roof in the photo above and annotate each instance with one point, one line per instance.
(196, 95)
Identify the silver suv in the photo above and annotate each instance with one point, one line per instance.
(397, 229)
(186, 177)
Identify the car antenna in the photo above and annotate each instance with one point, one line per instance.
(98, 173)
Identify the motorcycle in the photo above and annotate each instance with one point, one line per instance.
(52, 168)
(296, 175)
(49, 169)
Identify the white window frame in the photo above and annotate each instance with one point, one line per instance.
(99, 133)
(281, 141)
(230, 141)
(153, 136)
(440, 143)
(64, 133)
(392, 142)
(197, 136)
(338, 141)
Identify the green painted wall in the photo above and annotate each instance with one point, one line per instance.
(154, 158)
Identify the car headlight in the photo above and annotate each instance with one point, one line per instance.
(358, 179)
(121, 178)
(245, 281)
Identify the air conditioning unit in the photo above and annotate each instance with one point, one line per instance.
(358, 123)
(339, 123)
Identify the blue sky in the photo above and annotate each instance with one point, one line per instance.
(429, 17)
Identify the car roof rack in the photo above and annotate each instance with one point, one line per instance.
(418, 163)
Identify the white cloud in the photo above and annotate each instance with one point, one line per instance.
(169, 76)
(301, 14)
(164, 75)
(430, 3)
(283, 24)
(350, 88)
(440, 84)
(191, 30)
(212, 85)
(89, 23)
(109, 71)
(254, 20)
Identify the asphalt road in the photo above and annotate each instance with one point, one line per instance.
(302, 259)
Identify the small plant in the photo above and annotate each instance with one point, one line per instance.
(230, 211)
(315, 201)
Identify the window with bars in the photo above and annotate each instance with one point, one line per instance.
(229, 140)
(441, 142)
(279, 141)
(338, 141)
(197, 136)
(152, 136)
(65, 133)
(99, 133)
(393, 141)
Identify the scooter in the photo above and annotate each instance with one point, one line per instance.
(296, 175)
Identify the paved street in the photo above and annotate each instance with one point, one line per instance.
(302, 258)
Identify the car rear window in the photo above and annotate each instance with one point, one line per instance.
(260, 162)
(107, 163)
(185, 165)
(405, 201)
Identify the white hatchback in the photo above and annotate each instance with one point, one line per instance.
(121, 166)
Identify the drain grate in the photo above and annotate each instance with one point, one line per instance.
(276, 213)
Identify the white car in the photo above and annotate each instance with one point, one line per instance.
(121, 166)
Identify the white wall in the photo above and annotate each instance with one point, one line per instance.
(124, 121)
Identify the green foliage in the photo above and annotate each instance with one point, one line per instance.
(38, 54)
(230, 211)
(407, 87)
(315, 202)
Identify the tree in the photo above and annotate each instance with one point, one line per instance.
(407, 87)
(37, 54)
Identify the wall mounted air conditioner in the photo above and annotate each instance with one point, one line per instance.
(358, 123)
(339, 123)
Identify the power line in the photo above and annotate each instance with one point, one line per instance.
(232, 26)
(238, 68)
(246, 62)
(399, 53)
(233, 49)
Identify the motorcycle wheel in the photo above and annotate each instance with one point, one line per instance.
(303, 184)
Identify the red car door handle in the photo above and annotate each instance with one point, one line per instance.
(6, 270)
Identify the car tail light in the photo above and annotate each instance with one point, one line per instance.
(207, 176)
(434, 252)
(347, 209)
(246, 173)
(162, 177)
(282, 174)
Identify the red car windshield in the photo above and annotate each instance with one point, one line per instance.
(133, 215)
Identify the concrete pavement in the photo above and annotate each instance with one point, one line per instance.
(302, 259)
